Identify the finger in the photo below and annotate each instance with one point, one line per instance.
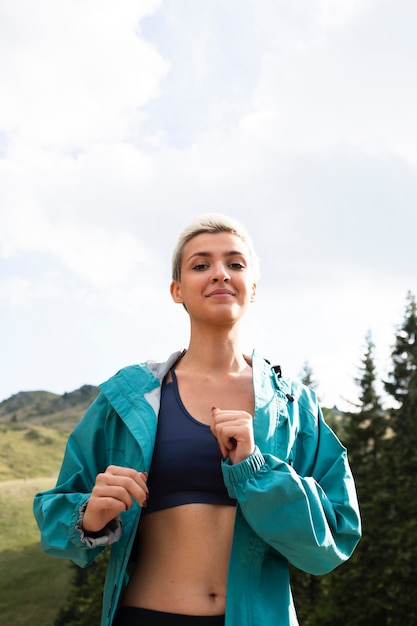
(108, 504)
(123, 486)
(217, 432)
(229, 437)
(117, 470)
(140, 478)
(225, 428)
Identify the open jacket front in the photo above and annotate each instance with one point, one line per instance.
(296, 499)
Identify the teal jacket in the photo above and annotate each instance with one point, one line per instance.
(296, 499)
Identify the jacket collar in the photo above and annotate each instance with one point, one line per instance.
(160, 370)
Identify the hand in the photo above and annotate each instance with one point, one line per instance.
(234, 433)
(114, 492)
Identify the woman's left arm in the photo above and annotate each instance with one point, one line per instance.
(305, 508)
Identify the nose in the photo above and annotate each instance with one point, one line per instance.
(220, 273)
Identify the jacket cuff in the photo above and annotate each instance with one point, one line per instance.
(238, 473)
(108, 535)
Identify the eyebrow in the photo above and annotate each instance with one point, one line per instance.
(209, 254)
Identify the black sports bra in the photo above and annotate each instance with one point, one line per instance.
(186, 462)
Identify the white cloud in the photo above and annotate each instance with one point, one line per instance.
(331, 13)
(75, 71)
(19, 292)
(75, 209)
(102, 258)
(97, 256)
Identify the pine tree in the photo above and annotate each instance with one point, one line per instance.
(400, 513)
(402, 383)
(352, 594)
(367, 426)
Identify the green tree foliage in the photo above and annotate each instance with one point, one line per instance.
(376, 587)
(402, 381)
(308, 592)
(366, 428)
(400, 514)
(355, 592)
(83, 604)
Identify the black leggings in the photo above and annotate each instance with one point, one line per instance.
(132, 616)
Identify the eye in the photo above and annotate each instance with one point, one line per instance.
(200, 267)
(236, 265)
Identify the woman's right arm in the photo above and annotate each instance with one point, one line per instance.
(80, 515)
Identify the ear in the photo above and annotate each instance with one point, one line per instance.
(253, 293)
(175, 290)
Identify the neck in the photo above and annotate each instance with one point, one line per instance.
(218, 352)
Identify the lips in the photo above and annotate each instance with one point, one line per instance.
(220, 292)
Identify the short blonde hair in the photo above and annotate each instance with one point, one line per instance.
(212, 223)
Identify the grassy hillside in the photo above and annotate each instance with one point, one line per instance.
(33, 431)
(43, 408)
(32, 585)
(30, 451)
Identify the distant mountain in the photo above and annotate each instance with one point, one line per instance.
(34, 427)
(44, 408)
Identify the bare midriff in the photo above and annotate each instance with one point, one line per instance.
(182, 560)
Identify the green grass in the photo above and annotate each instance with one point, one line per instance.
(33, 586)
(18, 527)
(30, 451)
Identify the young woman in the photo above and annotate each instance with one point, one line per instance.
(208, 473)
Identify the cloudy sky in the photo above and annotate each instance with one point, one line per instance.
(120, 121)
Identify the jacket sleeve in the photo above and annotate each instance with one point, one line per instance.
(59, 511)
(305, 507)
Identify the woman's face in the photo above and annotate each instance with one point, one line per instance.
(217, 282)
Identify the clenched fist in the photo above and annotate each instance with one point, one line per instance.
(234, 433)
(114, 492)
